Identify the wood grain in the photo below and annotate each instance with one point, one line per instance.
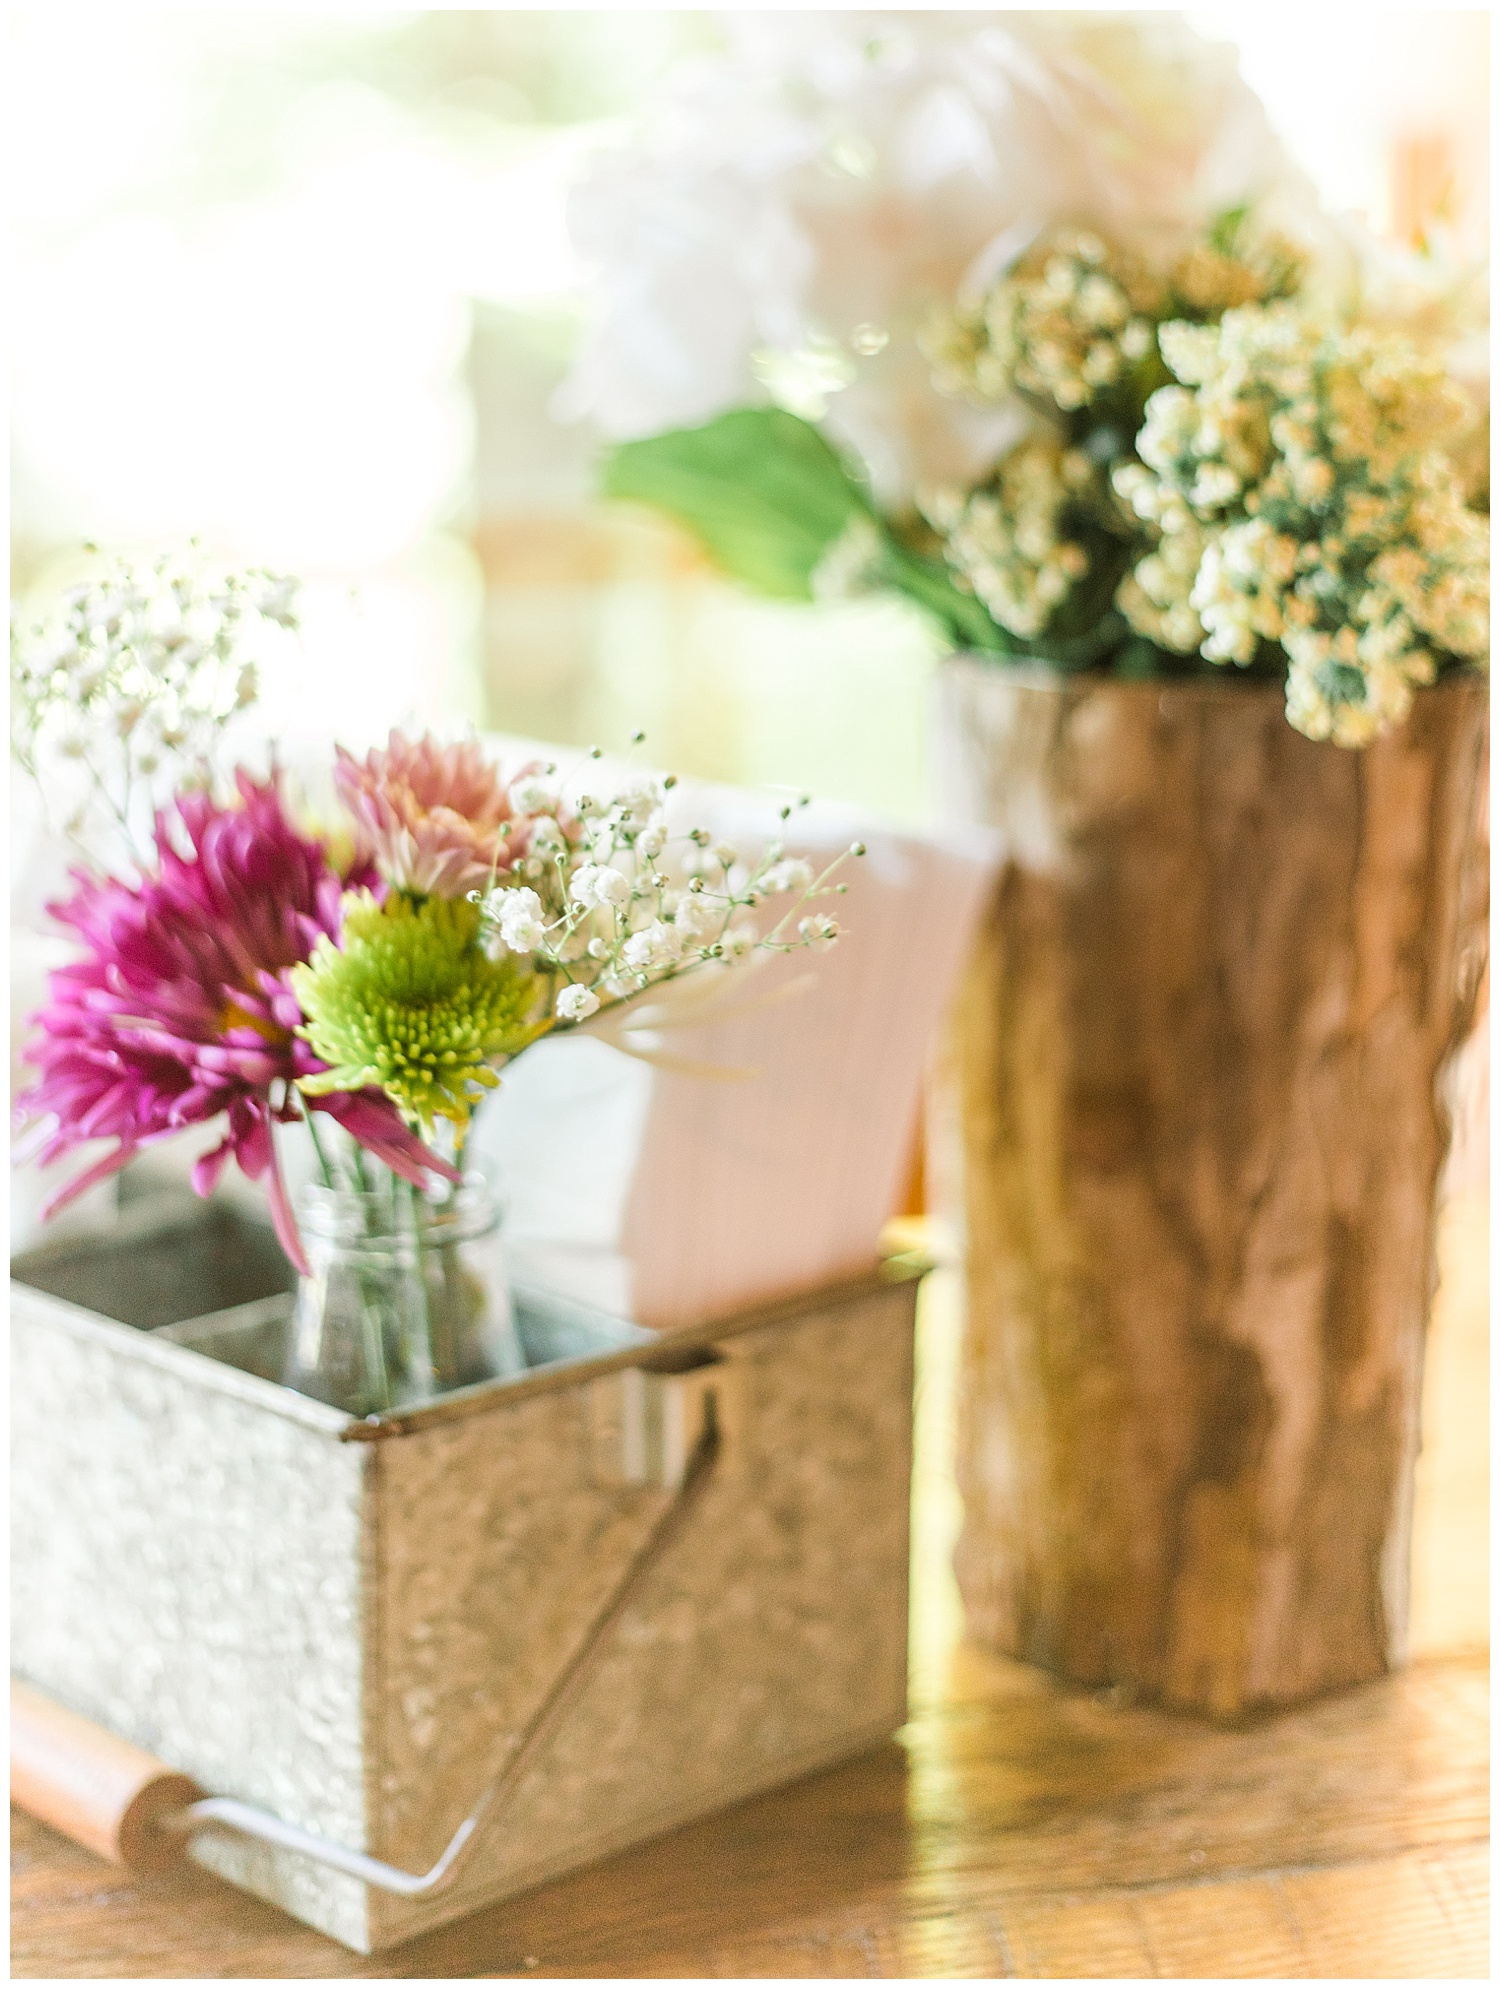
(1203, 1044)
(1031, 1832)
(1020, 1827)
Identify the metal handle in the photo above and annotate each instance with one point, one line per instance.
(228, 1812)
(249, 1821)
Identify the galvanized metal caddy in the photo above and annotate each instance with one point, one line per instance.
(356, 1624)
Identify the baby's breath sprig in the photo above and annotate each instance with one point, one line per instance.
(121, 689)
(610, 904)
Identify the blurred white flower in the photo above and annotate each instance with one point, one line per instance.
(532, 795)
(819, 932)
(637, 803)
(788, 211)
(794, 873)
(698, 915)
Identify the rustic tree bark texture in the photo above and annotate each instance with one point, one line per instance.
(1201, 1052)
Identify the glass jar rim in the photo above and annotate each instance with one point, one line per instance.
(459, 1212)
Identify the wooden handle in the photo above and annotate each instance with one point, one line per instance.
(96, 1789)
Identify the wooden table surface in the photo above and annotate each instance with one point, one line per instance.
(1013, 1827)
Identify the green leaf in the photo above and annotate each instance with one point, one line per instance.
(929, 582)
(1224, 231)
(762, 490)
(767, 497)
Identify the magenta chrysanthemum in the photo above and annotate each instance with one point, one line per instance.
(438, 817)
(181, 1010)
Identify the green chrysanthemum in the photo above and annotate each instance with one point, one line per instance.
(409, 1002)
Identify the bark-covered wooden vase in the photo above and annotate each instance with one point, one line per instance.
(1201, 1051)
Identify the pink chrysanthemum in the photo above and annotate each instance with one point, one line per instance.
(438, 817)
(181, 1008)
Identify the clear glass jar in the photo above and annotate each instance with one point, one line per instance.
(406, 1295)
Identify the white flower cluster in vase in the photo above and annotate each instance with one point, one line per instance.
(1223, 464)
(607, 903)
(1066, 322)
(1010, 540)
(1072, 329)
(1302, 467)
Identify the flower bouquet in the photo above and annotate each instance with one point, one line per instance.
(247, 970)
(1028, 319)
(428, 1633)
(1209, 469)
(1187, 435)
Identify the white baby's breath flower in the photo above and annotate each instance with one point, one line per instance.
(595, 886)
(793, 873)
(639, 801)
(576, 1004)
(533, 795)
(136, 672)
(517, 918)
(657, 946)
(740, 940)
(819, 932)
(652, 841)
(698, 914)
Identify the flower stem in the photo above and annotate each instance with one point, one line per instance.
(373, 1327)
(316, 1138)
(420, 1353)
